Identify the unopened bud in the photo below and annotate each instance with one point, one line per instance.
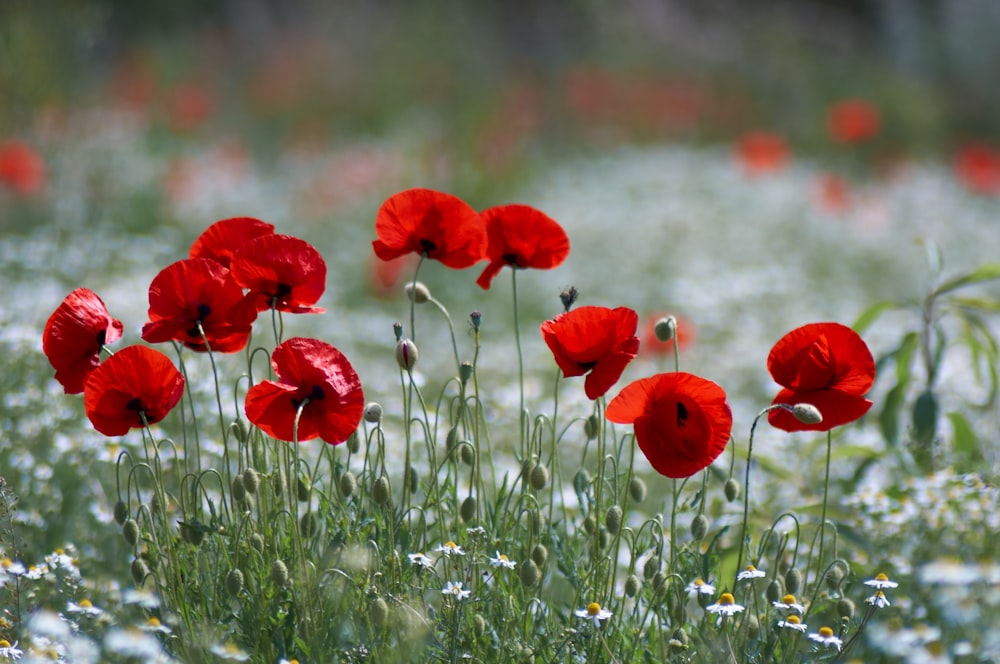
(308, 524)
(417, 292)
(632, 585)
(479, 625)
(467, 454)
(139, 571)
(568, 297)
(659, 581)
(348, 483)
(540, 555)
(465, 371)
(279, 573)
(397, 330)
(833, 578)
(353, 442)
(699, 526)
(845, 607)
(373, 412)
(665, 329)
(807, 413)
(793, 581)
(581, 481)
(603, 538)
(240, 430)
(613, 519)
(468, 509)
(591, 427)
(539, 477)
(381, 491)
(302, 488)
(413, 479)
(637, 489)
(251, 480)
(679, 640)
(732, 489)
(590, 524)
(378, 612)
(774, 591)
(477, 319)
(130, 531)
(257, 542)
(529, 574)
(192, 534)
(121, 512)
(753, 626)
(650, 567)
(238, 489)
(234, 582)
(406, 354)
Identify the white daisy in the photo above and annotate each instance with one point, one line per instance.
(878, 599)
(502, 561)
(230, 651)
(793, 622)
(825, 636)
(421, 559)
(750, 573)
(881, 581)
(726, 605)
(699, 587)
(456, 590)
(593, 611)
(86, 607)
(789, 602)
(9, 652)
(449, 548)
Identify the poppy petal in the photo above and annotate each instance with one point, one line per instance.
(135, 380)
(433, 223)
(524, 237)
(221, 240)
(836, 407)
(74, 335)
(284, 271)
(822, 356)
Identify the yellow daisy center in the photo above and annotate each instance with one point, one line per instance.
(699, 582)
(825, 632)
(751, 568)
(4, 643)
(593, 608)
(788, 599)
(793, 620)
(153, 621)
(881, 577)
(503, 557)
(86, 603)
(60, 551)
(450, 545)
(727, 598)
(6, 562)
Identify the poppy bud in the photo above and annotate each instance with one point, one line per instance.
(251, 480)
(774, 592)
(279, 573)
(477, 319)
(257, 542)
(807, 413)
(659, 582)
(234, 582)
(239, 428)
(539, 477)
(591, 427)
(417, 291)
(699, 526)
(465, 371)
(581, 481)
(397, 330)
(308, 524)
(568, 297)
(130, 531)
(529, 573)
(540, 555)
(650, 567)
(590, 524)
(613, 519)
(353, 443)
(406, 354)
(632, 585)
(378, 612)
(535, 521)
(139, 571)
(303, 489)
(637, 489)
(348, 483)
(121, 512)
(603, 538)
(732, 489)
(793, 581)
(753, 626)
(467, 453)
(479, 625)
(413, 479)
(468, 509)
(381, 491)
(154, 504)
(665, 329)
(278, 482)
(526, 467)
(451, 439)
(191, 534)
(833, 578)
(373, 412)
(238, 489)
(845, 607)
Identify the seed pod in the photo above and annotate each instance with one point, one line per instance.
(348, 483)
(279, 573)
(303, 488)
(659, 582)
(238, 489)
(699, 526)
(234, 582)
(591, 427)
(240, 430)
(603, 538)
(308, 524)
(637, 489)
(406, 354)
(381, 491)
(130, 531)
(845, 608)
(540, 555)
(613, 519)
(467, 454)
(378, 612)
(479, 625)
(731, 489)
(665, 329)
(417, 291)
(251, 480)
(465, 371)
(774, 591)
(257, 542)
(121, 512)
(833, 578)
(590, 524)
(793, 581)
(353, 442)
(138, 570)
(529, 573)
(650, 567)
(468, 509)
(539, 477)
(632, 585)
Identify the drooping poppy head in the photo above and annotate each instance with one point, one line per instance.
(21, 167)
(134, 383)
(196, 296)
(221, 240)
(683, 330)
(853, 121)
(978, 168)
(315, 374)
(824, 364)
(521, 236)
(74, 335)
(596, 341)
(682, 422)
(284, 272)
(760, 152)
(431, 223)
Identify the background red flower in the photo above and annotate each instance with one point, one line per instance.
(21, 167)
(135, 380)
(978, 168)
(283, 271)
(74, 335)
(199, 290)
(308, 368)
(853, 121)
(521, 236)
(220, 240)
(824, 364)
(682, 422)
(596, 341)
(760, 152)
(685, 334)
(432, 223)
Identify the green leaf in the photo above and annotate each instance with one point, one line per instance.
(925, 416)
(976, 303)
(986, 272)
(871, 314)
(965, 443)
(888, 418)
(853, 452)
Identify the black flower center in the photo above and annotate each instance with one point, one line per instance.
(510, 259)
(682, 415)
(427, 246)
(102, 337)
(316, 394)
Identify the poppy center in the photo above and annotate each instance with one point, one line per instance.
(316, 394)
(282, 291)
(102, 337)
(427, 246)
(510, 259)
(134, 404)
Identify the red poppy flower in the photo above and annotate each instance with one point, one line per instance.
(431, 223)
(313, 370)
(978, 167)
(833, 193)
(853, 121)
(199, 290)
(133, 382)
(762, 152)
(521, 236)
(824, 364)
(21, 167)
(286, 273)
(74, 335)
(597, 340)
(682, 422)
(685, 333)
(224, 237)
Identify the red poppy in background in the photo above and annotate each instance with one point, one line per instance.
(596, 341)
(21, 167)
(74, 335)
(385, 277)
(853, 121)
(833, 193)
(978, 168)
(284, 272)
(136, 381)
(221, 240)
(188, 106)
(682, 422)
(199, 291)
(824, 364)
(522, 237)
(760, 152)
(314, 370)
(430, 223)
(684, 332)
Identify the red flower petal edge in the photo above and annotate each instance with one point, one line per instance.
(74, 335)
(133, 382)
(521, 236)
(223, 238)
(285, 273)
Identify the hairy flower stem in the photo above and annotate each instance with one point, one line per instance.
(822, 519)
(746, 489)
(413, 300)
(523, 419)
